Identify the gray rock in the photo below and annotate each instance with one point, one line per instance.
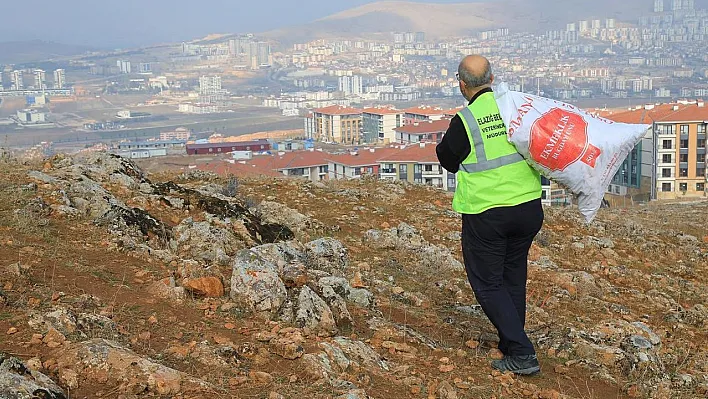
(354, 394)
(276, 213)
(42, 177)
(205, 242)
(19, 382)
(326, 254)
(603, 242)
(255, 283)
(333, 290)
(653, 338)
(409, 237)
(381, 239)
(640, 342)
(281, 253)
(361, 297)
(361, 353)
(97, 359)
(337, 356)
(314, 313)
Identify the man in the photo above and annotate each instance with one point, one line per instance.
(499, 197)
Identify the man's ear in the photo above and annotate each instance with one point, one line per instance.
(491, 78)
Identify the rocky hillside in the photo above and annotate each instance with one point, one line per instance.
(118, 284)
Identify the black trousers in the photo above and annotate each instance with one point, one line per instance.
(495, 247)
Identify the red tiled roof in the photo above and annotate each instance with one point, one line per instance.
(338, 110)
(297, 159)
(425, 127)
(424, 110)
(414, 153)
(661, 113)
(364, 157)
(383, 111)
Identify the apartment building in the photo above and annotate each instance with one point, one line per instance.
(424, 114)
(337, 124)
(431, 131)
(677, 141)
(417, 163)
(379, 124)
(356, 164)
(308, 164)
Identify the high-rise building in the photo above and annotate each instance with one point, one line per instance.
(673, 155)
(610, 23)
(2, 88)
(210, 85)
(676, 5)
(583, 26)
(145, 67)
(59, 79)
(572, 27)
(399, 38)
(263, 54)
(40, 79)
(337, 124)
(351, 85)
(596, 24)
(18, 82)
(689, 5)
(658, 5)
(124, 66)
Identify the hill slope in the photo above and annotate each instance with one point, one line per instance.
(36, 50)
(118, 283)
(443, 20)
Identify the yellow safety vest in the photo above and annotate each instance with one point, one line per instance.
(494, 174)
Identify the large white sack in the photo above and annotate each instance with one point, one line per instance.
(566, 144)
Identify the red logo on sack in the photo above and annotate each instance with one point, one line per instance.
(560, 138)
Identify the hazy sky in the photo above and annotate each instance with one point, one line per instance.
(105, 23)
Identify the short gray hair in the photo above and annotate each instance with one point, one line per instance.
(472, 80)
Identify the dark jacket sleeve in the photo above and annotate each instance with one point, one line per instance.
(454, 147)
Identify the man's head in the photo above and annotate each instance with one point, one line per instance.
(474, 74)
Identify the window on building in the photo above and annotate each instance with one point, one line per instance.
(666, 158)
(211, 150)
(667, 145)
(700, 187)
(683, 129)
(666, 172)
(683, 187)
(683, 172)
(684, 143)
(666, 129)
(262, 147)
(544, 194)
(666, 187)
(683, 157)
(702, 128)
(233, 148)
(357, 171)
(428, 168)
(701, 143)
(218, 149)
(700, 172)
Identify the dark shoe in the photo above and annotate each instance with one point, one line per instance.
(522, 365)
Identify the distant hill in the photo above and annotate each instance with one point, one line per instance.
(36, 50)
(445, 20)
